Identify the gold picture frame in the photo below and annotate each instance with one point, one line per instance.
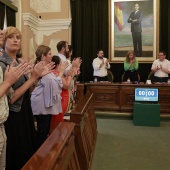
(120, 33)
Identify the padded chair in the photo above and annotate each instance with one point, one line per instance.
(124, 74)
(150, 76)
(110, 76)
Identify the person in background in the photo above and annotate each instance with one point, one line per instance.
(63, 50)
(69, 54)
(66, 80)
(100, 66)
(19, 127)
(131, 67)
(135, 19)
(161, 68)
(46, 99)
(62, 47)
(72, 88)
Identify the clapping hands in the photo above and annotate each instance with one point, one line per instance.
(76, 62)
(13, 72)
(48, 68)
(37, 70)
(61, 68)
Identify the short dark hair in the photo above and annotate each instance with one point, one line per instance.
(56, 59)
(99, 51)
(70, 50)
(60, 45)
(162, 51)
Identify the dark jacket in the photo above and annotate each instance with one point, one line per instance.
(136, 26)
(7, 60)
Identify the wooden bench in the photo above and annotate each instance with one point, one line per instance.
(85, 130)
(57, 152)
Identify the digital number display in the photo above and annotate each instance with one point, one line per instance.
(146, 94)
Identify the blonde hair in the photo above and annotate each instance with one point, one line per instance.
(9, 31)
(127, 56)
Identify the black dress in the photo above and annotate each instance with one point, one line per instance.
(21, 137)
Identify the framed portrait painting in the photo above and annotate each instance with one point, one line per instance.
(134, 26)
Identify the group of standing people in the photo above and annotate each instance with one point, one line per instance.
(46, 80)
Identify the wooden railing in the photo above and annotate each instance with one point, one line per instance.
(79, 92)
(85, 130)
(71, 145)
(57, 152)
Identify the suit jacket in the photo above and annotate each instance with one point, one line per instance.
(136, 25)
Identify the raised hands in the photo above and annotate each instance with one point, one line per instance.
(102, 63)
(48, 68)
(13, 72)
(61, 68)
(76, 62)
(72, 71)
(106, 62)
(37, 70)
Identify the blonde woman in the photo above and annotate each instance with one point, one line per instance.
(19, 127)
(131, 67)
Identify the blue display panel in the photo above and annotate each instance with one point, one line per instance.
(146, 94)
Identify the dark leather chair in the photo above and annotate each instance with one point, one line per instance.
(110, 76)
(150, 76)
(124, 74)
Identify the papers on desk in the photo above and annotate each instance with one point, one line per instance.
(104, 82)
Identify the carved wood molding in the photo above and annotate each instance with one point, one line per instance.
(44, 27)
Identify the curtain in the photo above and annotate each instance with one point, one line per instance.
(11, 17)
(165, 27)
(90, 33)
(2, 15)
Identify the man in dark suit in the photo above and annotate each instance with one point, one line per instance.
(135, 19)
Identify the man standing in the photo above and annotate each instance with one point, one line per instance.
(63, 49)
(100, 66)
(161, 68)
(135, 19)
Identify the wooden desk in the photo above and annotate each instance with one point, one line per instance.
(120, 97)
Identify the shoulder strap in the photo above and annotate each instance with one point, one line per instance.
(4, 61)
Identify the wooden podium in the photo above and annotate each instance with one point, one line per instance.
(146, 114)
